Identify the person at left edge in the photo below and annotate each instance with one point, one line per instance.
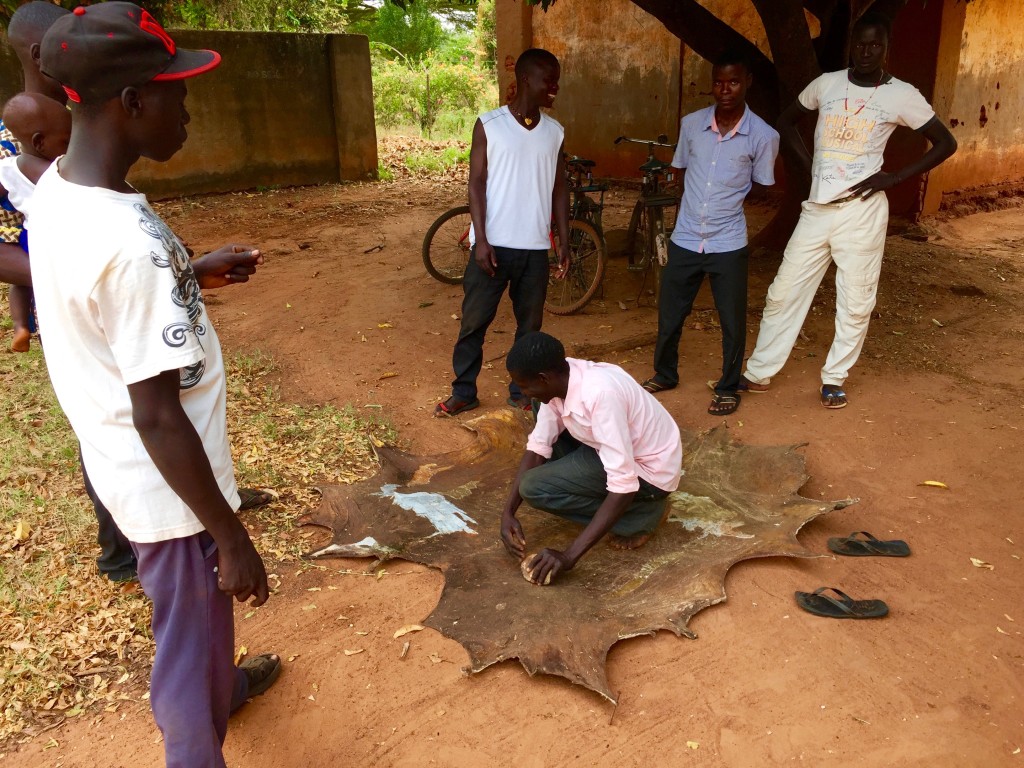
(137, 367)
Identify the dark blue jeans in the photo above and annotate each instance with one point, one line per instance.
(525, 274)
(680, 281)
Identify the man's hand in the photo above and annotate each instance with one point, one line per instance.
(547, 564)
(877, 183)
(226, 266)
(240, 570)
(563, 260)
(512, 536)
(485, 257)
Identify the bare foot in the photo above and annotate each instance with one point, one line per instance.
(22, 340)
(628, 542)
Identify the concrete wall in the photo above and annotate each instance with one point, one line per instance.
(620, 75)
(281, 109)
(985, 97)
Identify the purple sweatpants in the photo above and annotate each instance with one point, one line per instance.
(195, 684)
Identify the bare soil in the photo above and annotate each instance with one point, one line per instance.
(937, 395)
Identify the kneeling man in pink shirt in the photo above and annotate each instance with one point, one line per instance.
(604, 454)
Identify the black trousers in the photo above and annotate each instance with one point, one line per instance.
(680, 281)
(525, 274)
(117, 559)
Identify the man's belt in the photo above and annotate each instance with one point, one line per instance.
(844, 200)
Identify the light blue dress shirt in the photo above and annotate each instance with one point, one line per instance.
(719, 173)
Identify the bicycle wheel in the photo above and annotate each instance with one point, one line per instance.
(637, 238)
(587, 258)
(446, 246)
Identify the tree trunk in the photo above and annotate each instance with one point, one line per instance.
(710, 37)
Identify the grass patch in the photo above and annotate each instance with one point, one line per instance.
(71, 641)
(437, 162)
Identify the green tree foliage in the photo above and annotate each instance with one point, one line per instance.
(412, 32)
(486, 33)
(280, 15)
(426, 72)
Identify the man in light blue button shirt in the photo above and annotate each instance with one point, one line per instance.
(723, 150)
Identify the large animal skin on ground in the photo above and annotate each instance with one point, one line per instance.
(735, 502)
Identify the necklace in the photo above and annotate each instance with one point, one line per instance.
(528, 121)
(846, 101)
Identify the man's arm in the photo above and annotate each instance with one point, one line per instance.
(789, 134)
(552, 562)
(483, 252)
(177, 451)
(14, 265)
(226, 266)
(943, 145)
(560, 208)
(511, 531)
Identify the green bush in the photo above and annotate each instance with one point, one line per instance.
(420, 93)
(435, 162)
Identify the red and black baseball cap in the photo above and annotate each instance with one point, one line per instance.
(97, 51)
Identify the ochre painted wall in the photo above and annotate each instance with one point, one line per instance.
(620, 75)
(987, 100)
(281, 109)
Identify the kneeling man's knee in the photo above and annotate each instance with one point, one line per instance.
(530, 486)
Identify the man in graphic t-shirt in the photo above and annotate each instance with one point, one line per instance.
(844, 219)
(516, 182)
(137, 367)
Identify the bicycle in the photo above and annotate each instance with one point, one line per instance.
(446, 245)
(446, 248)
(646, 237)
(588, 253)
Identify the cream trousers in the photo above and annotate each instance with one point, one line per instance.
(853, 236)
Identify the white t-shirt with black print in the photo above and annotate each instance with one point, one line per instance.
(120, 303)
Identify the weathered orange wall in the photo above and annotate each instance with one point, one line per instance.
(987, 101)
(620, 75)
(281, 109)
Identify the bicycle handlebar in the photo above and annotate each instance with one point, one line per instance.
(661, 141)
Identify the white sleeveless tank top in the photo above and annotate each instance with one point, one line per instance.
(521, 167)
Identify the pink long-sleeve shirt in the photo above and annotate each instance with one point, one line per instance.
(631, 431)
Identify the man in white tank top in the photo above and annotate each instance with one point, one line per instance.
(517, 183)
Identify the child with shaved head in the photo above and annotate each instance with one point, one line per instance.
(43, 128)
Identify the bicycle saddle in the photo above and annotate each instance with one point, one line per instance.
(654, 165)
(581, 162)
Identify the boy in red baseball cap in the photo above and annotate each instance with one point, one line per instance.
(137, 367)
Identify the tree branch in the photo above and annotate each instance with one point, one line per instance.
(710, 37)
(790, 40)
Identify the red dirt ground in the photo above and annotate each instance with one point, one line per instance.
(936, 396)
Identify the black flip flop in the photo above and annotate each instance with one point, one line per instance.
(844, 608)
(523, 403)
(254, 498)
(261, 672)
(453, 406)
(654, 386)
(854, 546)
